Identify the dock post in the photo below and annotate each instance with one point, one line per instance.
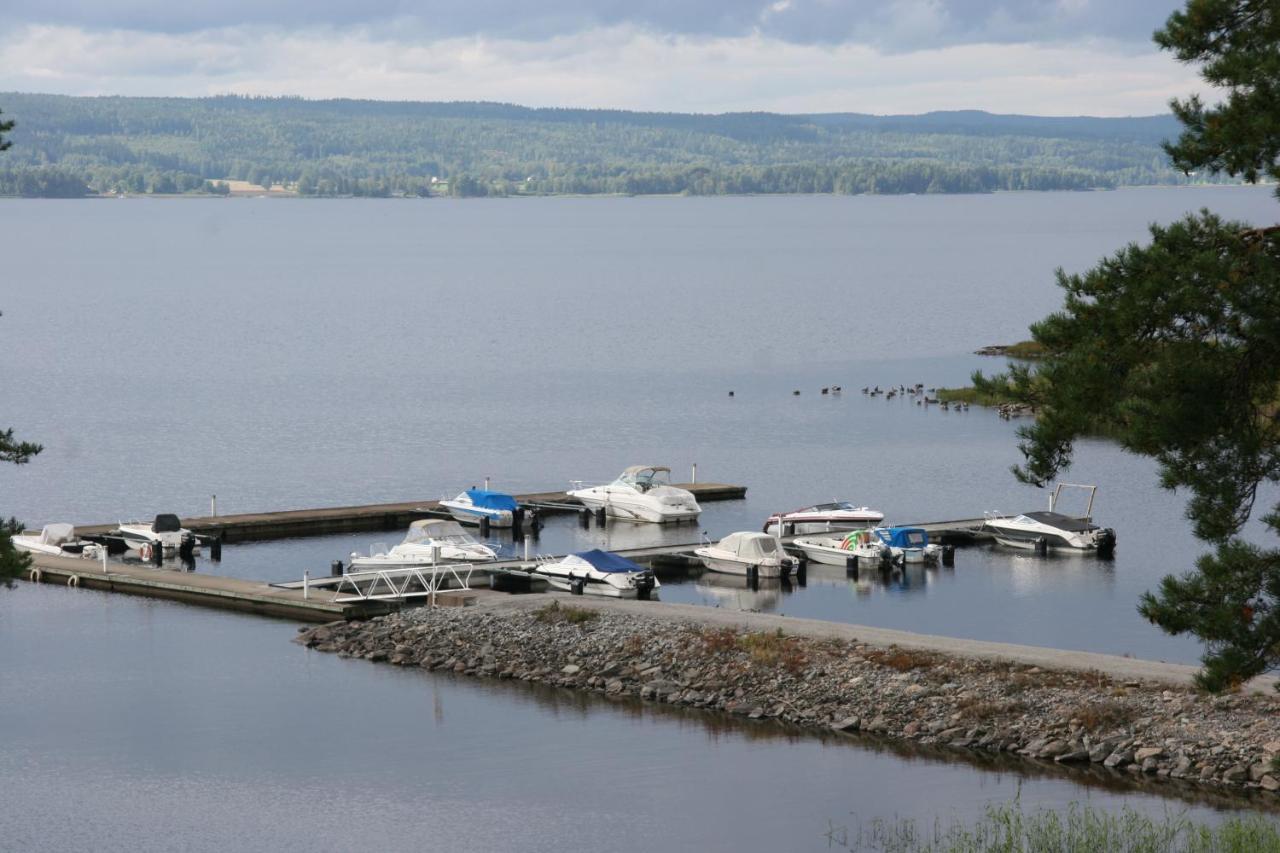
(535, 523)
(948, 555)
(104, 560)
(484, 526)
(694, 477)
(486, 484)
(526, 550)
(213, 506)
(215, 549)
(600, 515)
(306, 584)
(517, 524)
(851, 566)
(157, 554)
(584, 517)
(335, 569)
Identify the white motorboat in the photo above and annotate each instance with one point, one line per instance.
(475, 504)
(1052, 530)
(641, 493)
(819, 518)
(60, 540)
(865, 545)
(428, 542)
(746, 553)
(909, 544)
(165, 533)
(599, 572)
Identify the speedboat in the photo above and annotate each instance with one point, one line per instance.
(819, 518)
(475, 504)
(909, 544)
(165, 533)
(746, 553)
(1045, 531)
(60, 540)
(428, 542)
(865, 545)
(641, 493)
(599, 572)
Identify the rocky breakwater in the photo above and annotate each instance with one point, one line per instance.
(1065, 717)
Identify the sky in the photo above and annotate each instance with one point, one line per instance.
(1043, 57)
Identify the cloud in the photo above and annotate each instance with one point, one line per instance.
(624, 66)
(889, 25)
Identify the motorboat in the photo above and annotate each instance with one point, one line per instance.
(165, 533)
(1053, 530)
(428, 542)
(59, 540)
(820, 518)
(746, 553)
(599, 572)
(641, 493)
(865, 545)
(909, 544)
(475, 504)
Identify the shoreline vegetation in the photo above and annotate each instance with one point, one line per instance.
(228, 145)
(991, 395)
(1128, 729)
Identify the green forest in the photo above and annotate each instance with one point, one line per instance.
(76, 146)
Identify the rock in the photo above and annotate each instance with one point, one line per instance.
(1272, 747)
(1270, 783)
(741, 708)
(912, 728)
(1118, 758)
(1099, 752)
(1053, 749)
(659, 689)
(571, 669)
(1150, 764)
(615, 686)
(879, 725)
(1147, 752)
(1235, 773)
(1257, 771)
(848, 724)
(1075, 756)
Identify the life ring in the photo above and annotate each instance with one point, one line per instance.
(146, 552)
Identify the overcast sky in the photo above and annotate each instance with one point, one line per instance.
(1048, 57)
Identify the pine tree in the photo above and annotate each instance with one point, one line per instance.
(1173, 348)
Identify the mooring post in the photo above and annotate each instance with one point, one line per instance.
(306, 584)
(213, 505)
(694, 477)
(486, 484)
(104, 560)
(526, 550)
(484, 526)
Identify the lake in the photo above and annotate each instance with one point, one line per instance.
(287, 354)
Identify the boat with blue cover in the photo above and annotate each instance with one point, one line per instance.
(909, 544)
(475, 504)
(597, 572)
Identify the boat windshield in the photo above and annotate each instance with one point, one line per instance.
(644, 479)
(1022, 519)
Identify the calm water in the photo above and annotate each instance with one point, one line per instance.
(302, 354)
(134, 725)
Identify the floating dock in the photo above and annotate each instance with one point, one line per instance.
(391, 516)
(311, 605)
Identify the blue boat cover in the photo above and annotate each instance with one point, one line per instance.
(606, 562)
(482, 499)
(904, 537)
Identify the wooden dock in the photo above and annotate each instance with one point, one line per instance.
(314, 605)
(352, 519)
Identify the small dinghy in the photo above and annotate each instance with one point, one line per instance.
(746, 553)
(428, 542)
(59, 540)
(599, 572)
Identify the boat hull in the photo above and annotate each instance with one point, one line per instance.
(627, 510)
(466, 514)
(830, 555)
(732, 566)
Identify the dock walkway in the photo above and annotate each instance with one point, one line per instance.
(389, 516)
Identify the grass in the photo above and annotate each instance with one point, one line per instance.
(1026, 350)
(1009, 829)
(553, 613)
(971, 395)
(765, 649)
(1102, 716)
(902, 660)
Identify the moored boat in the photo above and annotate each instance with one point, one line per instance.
(597, 572)
(865, 545)
(746, 553)
(429, 541)
(475, 504)
(641, 493)
(59, 540)
(820, 518)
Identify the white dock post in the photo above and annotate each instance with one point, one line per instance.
(104, 559)
(306, 584)
(213, 505)
(526, 550)
(694, 478)
(486, 484)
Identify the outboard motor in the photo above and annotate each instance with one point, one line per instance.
(1106, 542)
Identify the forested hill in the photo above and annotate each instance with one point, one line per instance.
(67, 146)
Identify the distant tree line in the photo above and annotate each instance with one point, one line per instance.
(77, 146)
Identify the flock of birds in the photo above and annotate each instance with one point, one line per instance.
(918, 391)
